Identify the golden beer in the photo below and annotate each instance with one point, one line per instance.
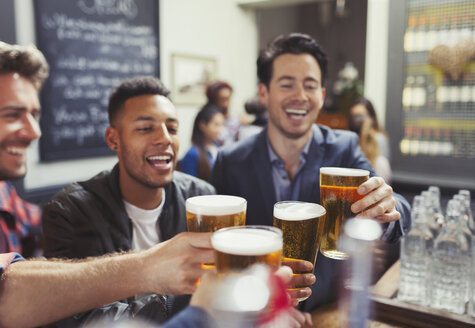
(209, 213)
(237, 248)
(338, 191)
(302, 228)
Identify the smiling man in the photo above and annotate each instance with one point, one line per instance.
(22, 73)
(283, 161)
(138, 204)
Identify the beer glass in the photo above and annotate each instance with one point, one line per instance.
(237, 248)
(337, 193)
(302, 227)
(209, 213)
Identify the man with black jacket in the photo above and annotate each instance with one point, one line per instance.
(139, 203)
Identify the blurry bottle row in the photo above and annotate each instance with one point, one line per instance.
(438, 254)
(436, 141)
(421, 93)
(424, 32)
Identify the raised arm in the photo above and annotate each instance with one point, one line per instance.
(48, 290)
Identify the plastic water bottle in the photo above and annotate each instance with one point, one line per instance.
(415, 248)
(447, 265)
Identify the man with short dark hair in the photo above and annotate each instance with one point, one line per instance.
(138, 204)
(283, 161)
(37, 291)
(22, 73)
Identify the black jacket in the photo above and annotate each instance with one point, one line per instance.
(89, 219)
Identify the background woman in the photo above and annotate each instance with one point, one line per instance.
(199, 159)
(361, 109)
(219, 96)
(373, 141)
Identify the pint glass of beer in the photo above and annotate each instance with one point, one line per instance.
(302, 227)
(337, 193)
(209, 213)
(237, 248)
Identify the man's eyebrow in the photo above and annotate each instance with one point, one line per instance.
(311, 79)
(285, 77)
(172, 120)
(152, 119)
(13, 107)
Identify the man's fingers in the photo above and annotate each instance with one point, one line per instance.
(202, 256)
(298, 265)
(388, 217)
(374, 197)
(306, 279)
(371, 184)
(300, 318)
(299, 293)
(308, 319)
(379, 209)
(198, 239)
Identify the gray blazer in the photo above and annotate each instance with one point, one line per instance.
(244, 169)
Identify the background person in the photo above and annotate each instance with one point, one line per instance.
(361, 109)
(219, 95)
(22, 73)
(255, 108)
(199, 159)
(370, 147)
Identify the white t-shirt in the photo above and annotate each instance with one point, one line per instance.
(145, 231)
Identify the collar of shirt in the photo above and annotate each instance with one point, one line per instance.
(284, 188)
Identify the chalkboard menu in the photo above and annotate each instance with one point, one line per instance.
(91, 46)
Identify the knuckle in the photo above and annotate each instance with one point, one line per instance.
(381, 209)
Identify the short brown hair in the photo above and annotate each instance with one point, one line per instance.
(27, 61)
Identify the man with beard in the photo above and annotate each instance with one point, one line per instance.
(37, 291)
(22, 73)
(283, 161)
(138, 204)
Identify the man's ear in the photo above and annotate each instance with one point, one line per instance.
(112, 138)
(263, 93)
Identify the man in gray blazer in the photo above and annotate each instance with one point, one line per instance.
(283, 161)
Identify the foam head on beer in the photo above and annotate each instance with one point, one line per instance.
(216, 204)
(343, 171)
(236, 248)
(297, 211)
(209, 213)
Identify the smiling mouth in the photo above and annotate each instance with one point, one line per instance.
(16, 150)
(296, 112)
(159, 160)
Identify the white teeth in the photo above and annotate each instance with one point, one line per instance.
(160, 158)
(294, 111)
(16, 151)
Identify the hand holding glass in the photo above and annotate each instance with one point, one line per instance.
(302, 227)
(338, 191)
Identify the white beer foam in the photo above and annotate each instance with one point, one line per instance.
(343, 171)
(297, 211)
(215, 205)
(246, 241)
